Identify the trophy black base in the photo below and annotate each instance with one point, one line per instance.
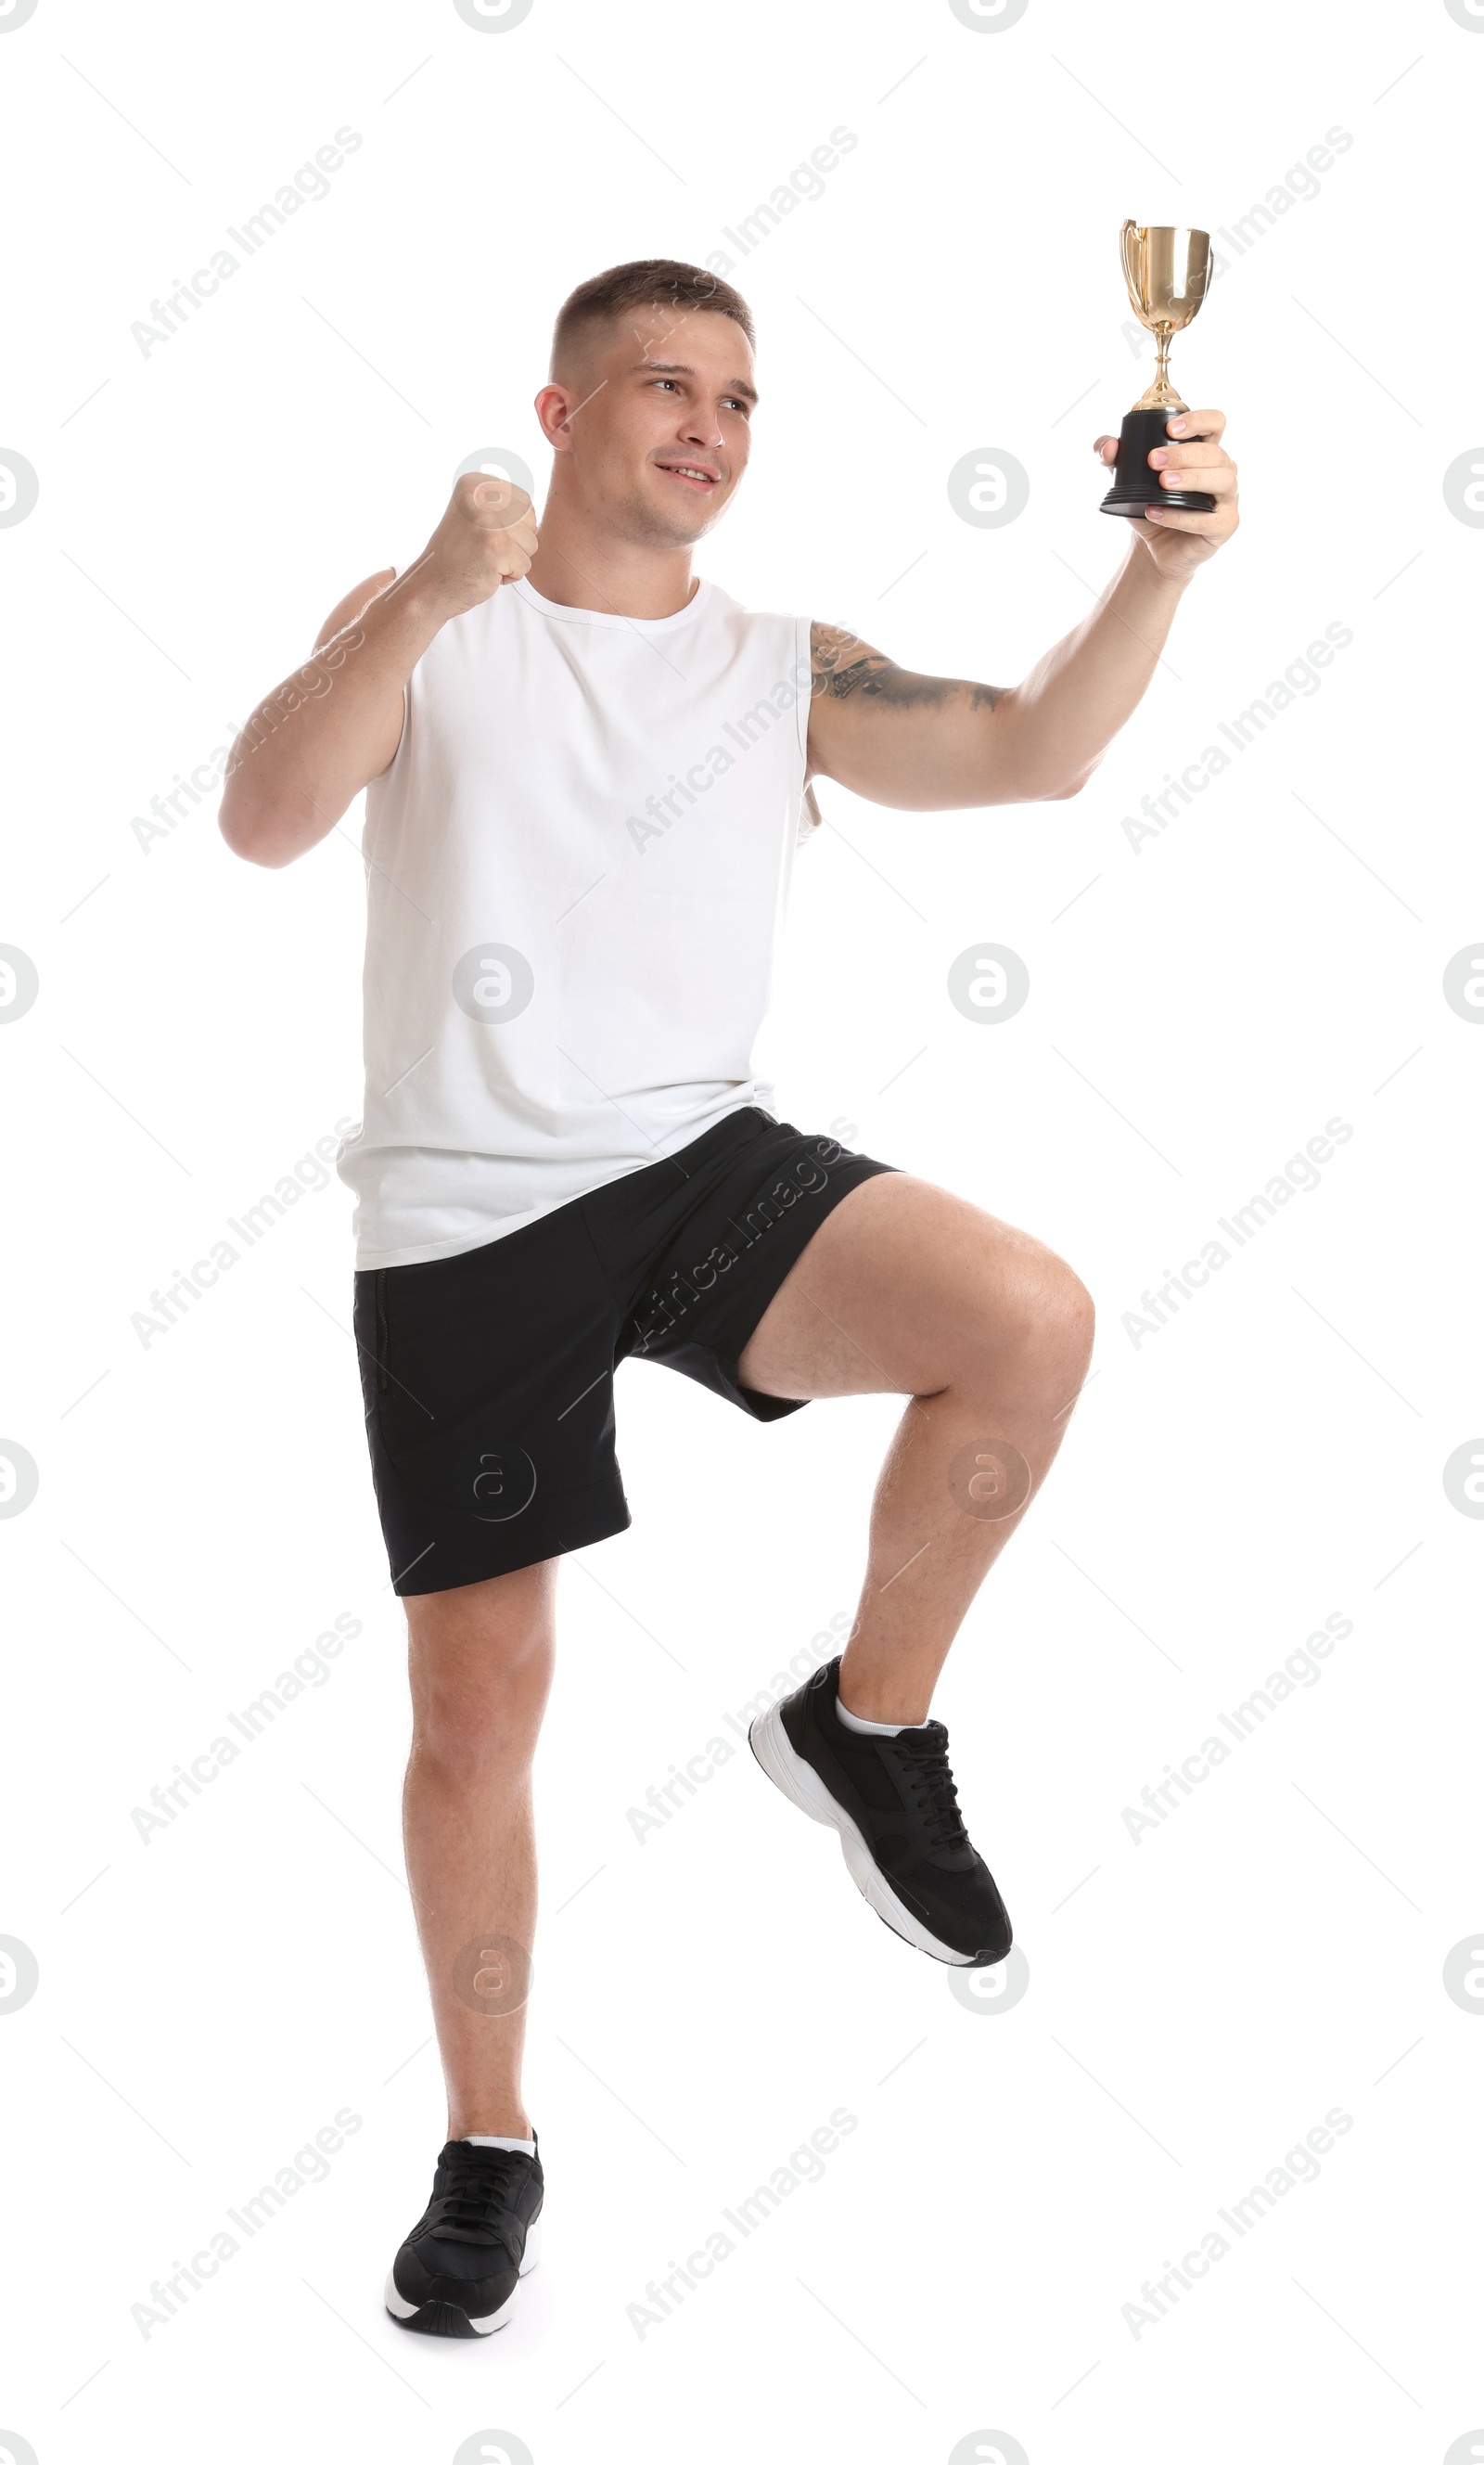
(1134, 486)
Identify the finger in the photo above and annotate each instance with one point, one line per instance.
(1199, 423)
(524, 533)
(475, 490)
(1170, 518)
(501, 500)
(1106, 448)
(1217, 478)
(1202, 457)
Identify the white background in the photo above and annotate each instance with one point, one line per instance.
(1274, 1948)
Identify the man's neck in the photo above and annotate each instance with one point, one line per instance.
(579, 566)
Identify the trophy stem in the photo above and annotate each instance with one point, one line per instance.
(1160, 394)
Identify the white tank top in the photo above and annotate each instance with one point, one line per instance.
(577, 869)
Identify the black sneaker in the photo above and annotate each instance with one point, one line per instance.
(460, 2270)
(892, 1802)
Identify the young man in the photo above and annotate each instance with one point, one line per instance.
(586, 772)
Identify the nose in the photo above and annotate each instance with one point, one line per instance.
(699, 431)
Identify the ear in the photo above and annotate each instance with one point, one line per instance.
(553, 406)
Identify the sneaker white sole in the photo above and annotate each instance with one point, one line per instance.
(799, 1781)
(402, 2309)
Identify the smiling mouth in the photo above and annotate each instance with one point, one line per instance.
(691, 475)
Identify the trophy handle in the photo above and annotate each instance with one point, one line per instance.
(1126, 245)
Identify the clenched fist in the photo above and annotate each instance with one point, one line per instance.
(487, 537)
(1194, 458)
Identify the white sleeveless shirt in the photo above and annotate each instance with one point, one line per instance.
(577, 869)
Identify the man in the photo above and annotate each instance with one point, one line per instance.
(586, 772)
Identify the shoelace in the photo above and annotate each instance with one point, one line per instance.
(925, 1768)
(472, 2194)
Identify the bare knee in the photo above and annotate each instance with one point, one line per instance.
(468, 1731)
(1056, 1319)
(1071, 1315)
(1034, 1332)
(480, 1665)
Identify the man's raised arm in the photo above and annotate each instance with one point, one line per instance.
(932, 743)
(313, 743)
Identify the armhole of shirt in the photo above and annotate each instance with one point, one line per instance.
(805, 829)
(407, 701)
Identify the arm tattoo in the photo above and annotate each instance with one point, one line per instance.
(842, 664)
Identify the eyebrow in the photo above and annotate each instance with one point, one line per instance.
(680, 368)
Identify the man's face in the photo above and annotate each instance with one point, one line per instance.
(661, 441)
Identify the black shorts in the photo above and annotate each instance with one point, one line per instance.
(488, 1378)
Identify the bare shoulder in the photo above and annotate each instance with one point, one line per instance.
(355, 604)
(841, 663)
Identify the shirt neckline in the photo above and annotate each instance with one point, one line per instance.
(644, 625)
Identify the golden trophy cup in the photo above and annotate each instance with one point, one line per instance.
(1167, 271)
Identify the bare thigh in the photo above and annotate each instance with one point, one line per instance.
(905, 1290)
(480, 1662)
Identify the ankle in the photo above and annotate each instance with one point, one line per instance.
(887, 1717)
(882, 1697)
(491, 2122)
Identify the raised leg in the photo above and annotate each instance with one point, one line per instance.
(907, 1290)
